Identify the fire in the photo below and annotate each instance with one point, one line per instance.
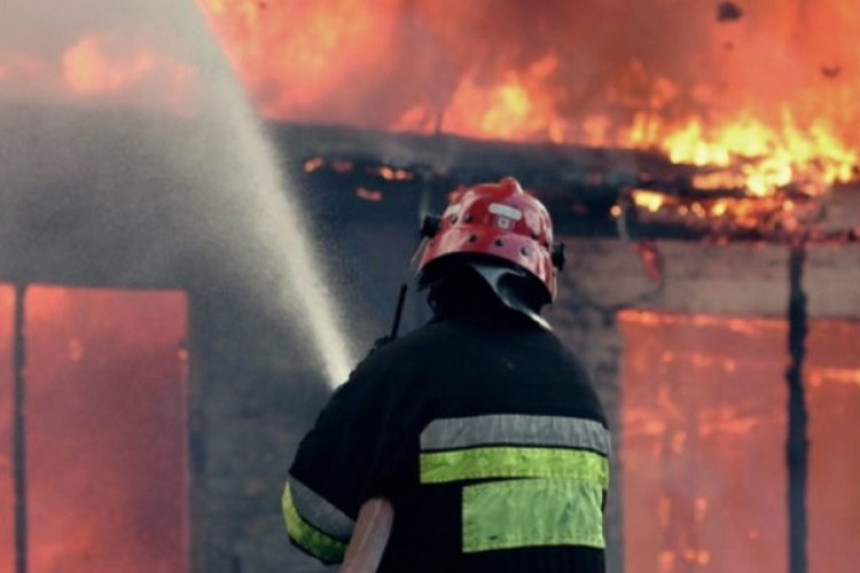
(294, 56)
(120, 66)
(764, 157)
(758, 93)
(516, 108)
(87, 70)
(104, 66)
(761, 98)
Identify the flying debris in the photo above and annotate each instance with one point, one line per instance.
(729, 12)
(831, 72)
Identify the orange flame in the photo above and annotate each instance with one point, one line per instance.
(781, 154)
(767, 93)
(518, 107)
(92, 68)
(87, 70)
(295, 55)
(766, 97)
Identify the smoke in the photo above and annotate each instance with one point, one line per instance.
(131, 156)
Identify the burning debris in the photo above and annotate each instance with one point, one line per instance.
(745, 150)
(628, 193)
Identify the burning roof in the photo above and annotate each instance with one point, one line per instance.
(759, 101)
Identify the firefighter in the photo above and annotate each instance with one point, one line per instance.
(476, 442)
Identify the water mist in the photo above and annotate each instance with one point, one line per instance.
(196, 140)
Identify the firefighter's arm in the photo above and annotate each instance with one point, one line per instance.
(332, 468)
(369, 537)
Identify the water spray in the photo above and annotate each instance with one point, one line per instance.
(212, 167)
(313, 296)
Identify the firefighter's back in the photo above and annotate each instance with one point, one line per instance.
(505, 461)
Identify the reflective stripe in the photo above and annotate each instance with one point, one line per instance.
(307, 536)
(514, 462)
(319, 512)
(452, 433)
(532, 512)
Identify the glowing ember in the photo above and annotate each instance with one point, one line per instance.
(368, 194)
(391, 174)
(313, 164)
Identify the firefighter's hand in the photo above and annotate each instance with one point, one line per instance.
(369, 537)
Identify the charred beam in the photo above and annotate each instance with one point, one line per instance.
(19, 438)
(797, 448)
(538, 165)
(64, 225)
(583, 187)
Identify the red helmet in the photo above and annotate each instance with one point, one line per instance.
(498, 221)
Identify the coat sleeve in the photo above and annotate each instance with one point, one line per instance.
(337, 466)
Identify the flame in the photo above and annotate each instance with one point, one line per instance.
(764, 97)
(649, 200)
(518, 107)
(19, 67)
(762, 94)
(92, 67)
(121, 66)
(295, 55)
(766, 157)
(87, 70)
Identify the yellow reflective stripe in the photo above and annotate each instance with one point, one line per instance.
(532, 512)
(514, 462)
(319, 512)
(308, 537)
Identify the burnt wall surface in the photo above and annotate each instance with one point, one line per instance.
(256, 384)
(257, 387)
(254, 397)
(607, 276)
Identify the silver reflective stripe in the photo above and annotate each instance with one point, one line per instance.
(516, 429)
(319, 512)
